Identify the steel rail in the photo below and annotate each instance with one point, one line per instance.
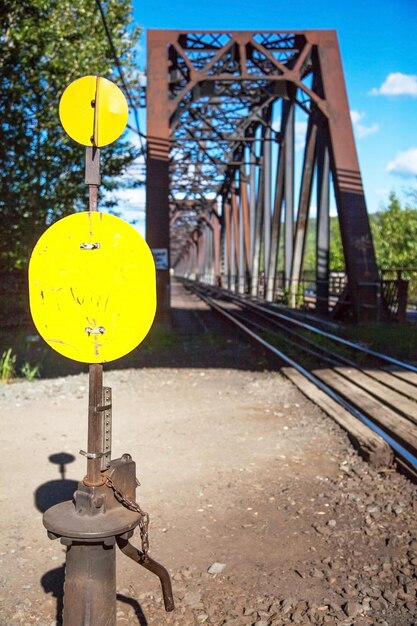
(321, 353)
(335, 359)
(316, 330)
(345, 342)
(409, 457)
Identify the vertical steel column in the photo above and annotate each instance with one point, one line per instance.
(355, 230)
(215, 222)
(258, 235)
(200, 253)
(189, 259)
(228, 242)
(233, 242)
(204, 253)
(303, 210)
(157, 162)
(276, 225)
(323, 226)
(244, 207)
(195, 256)
(252, 206)
(267, 192)
(288, 114)
(209, 255)
(241, 249)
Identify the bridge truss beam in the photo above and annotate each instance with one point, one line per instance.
(227, 192)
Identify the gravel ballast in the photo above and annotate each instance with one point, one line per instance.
(260, 508)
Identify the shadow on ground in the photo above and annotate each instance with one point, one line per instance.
(59, 490)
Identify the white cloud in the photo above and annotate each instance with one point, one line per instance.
(382, 192)
(276, 124)
(397, 84)
(360, 129)
(300, 132)
(404, 164)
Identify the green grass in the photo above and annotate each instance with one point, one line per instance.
(396, 340)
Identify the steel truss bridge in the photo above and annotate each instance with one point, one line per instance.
(249, 135)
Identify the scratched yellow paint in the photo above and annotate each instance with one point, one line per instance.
(92, 287)
(93, 111)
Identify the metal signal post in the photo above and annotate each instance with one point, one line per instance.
(95, 380)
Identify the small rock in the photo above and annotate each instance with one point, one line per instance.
(286, 607)
(248, 611)
(216, 568)
(389, 596)
(352, 609)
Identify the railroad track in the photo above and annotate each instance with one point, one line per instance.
(376, 402)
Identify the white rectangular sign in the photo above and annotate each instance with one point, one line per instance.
(160, 256)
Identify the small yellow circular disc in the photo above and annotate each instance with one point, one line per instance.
(93, 111)
(92, 287)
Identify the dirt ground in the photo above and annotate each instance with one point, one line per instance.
(237, 468)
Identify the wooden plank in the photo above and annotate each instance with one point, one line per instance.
(388, 396)
(398, 427)
(371, 446)
(406, 375)
(402, 386)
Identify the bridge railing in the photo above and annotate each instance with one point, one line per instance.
(329, 297)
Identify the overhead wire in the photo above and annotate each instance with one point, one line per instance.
(141, 135)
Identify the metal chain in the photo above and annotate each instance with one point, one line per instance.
(133, 506)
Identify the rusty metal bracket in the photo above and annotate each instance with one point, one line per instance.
(153, 566)
(92, 455)
(106, 411)
(89, 246)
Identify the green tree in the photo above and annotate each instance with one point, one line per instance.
(336, 255)
(395, 235)
(45, 45)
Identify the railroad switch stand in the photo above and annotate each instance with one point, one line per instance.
(98, 519)
(103, 514)
(93, 298)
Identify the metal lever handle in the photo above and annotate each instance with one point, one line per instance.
(153, 566)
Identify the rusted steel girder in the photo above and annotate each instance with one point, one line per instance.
(157, 165)
(223, 111)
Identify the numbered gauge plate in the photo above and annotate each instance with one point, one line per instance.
(93, 111)
(92, 287)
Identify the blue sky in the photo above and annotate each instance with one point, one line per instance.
(379, 54)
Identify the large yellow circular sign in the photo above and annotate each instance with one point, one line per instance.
(93, 111)
(92, 287)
